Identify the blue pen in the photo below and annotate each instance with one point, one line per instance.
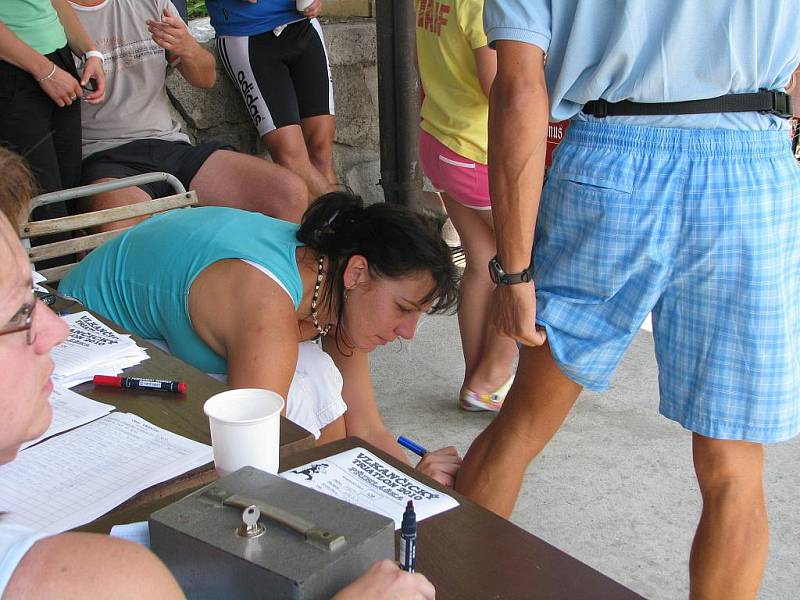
(413, 446)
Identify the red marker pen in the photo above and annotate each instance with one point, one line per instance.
(135, 383)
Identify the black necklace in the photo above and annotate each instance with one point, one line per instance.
(323, 331)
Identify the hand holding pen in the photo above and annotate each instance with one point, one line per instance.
(441, 465)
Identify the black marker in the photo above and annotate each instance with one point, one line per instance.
(408, 539)
(136, 383)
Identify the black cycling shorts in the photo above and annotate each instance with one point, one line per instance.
(283, 78)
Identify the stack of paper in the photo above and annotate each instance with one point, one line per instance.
(70, 410)
(37, 279)
(80, 475)
(92, 349)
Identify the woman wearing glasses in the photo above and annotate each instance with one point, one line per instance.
(34, 564)
(232, 292)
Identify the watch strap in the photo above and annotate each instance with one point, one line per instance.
(500, 277)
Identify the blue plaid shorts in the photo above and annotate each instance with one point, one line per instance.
(701, 227)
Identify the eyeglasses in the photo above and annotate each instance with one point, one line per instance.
(22, 321)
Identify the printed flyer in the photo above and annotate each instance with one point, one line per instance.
(361, 478)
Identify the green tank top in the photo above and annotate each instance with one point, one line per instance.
(35, 22)
(141, 278)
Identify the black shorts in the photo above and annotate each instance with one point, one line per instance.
(180, 159)
(282, 78)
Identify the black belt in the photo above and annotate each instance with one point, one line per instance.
(763, 101)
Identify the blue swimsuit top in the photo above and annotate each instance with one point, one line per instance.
(141, 278)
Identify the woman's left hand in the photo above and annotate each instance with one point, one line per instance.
(93, 71)
(313, 11)
(441, 465)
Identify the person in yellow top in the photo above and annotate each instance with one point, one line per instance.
(457, 69)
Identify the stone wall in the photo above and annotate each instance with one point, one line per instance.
(219, 113)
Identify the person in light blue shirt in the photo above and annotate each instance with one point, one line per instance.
(693, 217)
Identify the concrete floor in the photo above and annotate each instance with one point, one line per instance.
(615, 488)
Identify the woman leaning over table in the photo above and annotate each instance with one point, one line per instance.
(40, 89)
(233, 291)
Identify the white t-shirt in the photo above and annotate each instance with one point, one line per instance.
(136, 104)
(15, 541)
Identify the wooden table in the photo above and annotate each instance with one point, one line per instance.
(471, 553)
(179, 413)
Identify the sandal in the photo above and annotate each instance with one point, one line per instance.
(493, 402)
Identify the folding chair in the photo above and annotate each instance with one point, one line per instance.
(82, 244)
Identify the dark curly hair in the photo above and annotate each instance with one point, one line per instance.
(396, 242)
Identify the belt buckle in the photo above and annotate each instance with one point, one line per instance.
(780, 104)
(600, 108)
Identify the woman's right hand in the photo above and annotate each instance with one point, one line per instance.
(385, 581)
(441, 465)
(62, 88)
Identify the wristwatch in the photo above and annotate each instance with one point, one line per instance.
(500, 277)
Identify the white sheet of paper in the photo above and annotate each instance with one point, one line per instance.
(361, 478)
(75, 477)
(37, 279)
(108, 367)
(70, 410)
(133, 532)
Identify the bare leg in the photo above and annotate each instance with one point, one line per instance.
(537, 404)
(488, 357)
(730, 547)
(318, 133)
(123, 197)
(242, 181)
(335, 430)
(287, 147)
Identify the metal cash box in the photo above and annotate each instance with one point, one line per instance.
(221, 542)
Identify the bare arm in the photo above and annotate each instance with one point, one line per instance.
(196, 64)
(486, 63)
(518, 114)
(793, 89)
(13, 50)
(80, 43)
(60, 86)
(362, 418)
(247, 318)
(87, 565)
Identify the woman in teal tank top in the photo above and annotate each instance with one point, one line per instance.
(235, 291)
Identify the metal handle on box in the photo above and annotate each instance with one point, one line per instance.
(314, 534)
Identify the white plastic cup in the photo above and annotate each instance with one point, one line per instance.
(245, 429)
(303, 4)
